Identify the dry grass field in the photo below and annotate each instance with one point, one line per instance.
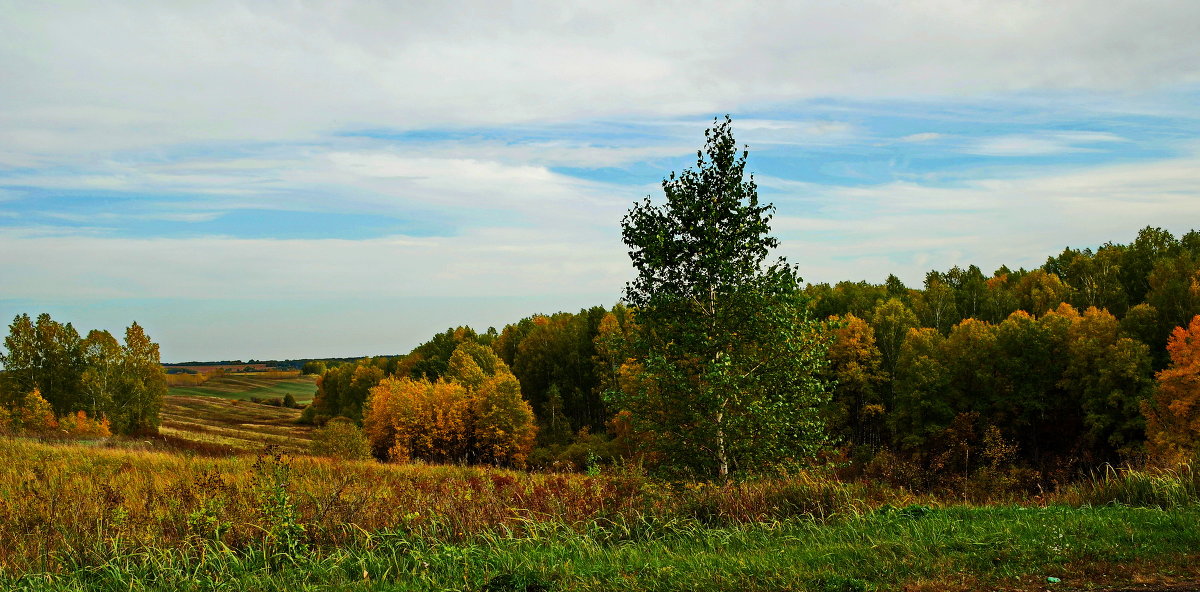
(220, 427)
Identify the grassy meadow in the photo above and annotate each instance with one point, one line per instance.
(217, 417)
(260, 385)
(110, 518)
(219, 427)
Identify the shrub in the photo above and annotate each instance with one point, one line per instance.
(340, 438)
(33, 415)
(308, 416)
(79, 425)
(1153, 488)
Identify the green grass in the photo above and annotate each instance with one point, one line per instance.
(245, 386)
(955, 548)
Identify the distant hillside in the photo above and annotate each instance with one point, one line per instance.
(237, 365)
(222, 427)
(243, 386)
(211, 368)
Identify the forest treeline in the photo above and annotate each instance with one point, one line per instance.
(56, 381)
(561, 365)
(1050, 369)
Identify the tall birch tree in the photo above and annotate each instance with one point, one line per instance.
(729, 360)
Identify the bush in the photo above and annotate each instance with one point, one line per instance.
(468, 415)
(79, 426)
(340, 438)
(32, 415)
(308, 416)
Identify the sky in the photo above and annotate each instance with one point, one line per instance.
(271, 180)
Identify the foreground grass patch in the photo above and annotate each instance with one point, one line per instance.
(952, 548)
(75, 518)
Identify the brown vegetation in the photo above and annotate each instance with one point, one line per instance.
(58, 499)
(212, 426)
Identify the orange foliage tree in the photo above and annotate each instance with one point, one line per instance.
(80, 425)
(474, 413)
(1173, 413)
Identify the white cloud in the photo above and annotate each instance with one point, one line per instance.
(371, 181)
(1044, 143)
(475, 190)
(109, 217)
(921, 137)
(95, 78)
(907, 228)
(833, 232)
(486, 262)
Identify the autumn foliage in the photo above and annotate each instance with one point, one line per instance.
(185, 379)
(96, 375)
(32, 415)
(1173, 414)
(474, 413)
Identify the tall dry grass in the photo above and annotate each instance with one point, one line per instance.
(1164, 488)
(68, 502)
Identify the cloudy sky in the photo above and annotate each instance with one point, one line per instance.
(292, 179)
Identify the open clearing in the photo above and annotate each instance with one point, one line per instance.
(246, 385)
(225, 426)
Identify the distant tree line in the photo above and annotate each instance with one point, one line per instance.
(1060, 360)
(290, 364)
(53, 374)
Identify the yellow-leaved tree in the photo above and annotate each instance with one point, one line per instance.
(504, 424)
(32, 415)
(474, 413)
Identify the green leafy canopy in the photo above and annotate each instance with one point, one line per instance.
(729, 358)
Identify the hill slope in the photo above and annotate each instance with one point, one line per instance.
(245, 386)
(218, 426)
